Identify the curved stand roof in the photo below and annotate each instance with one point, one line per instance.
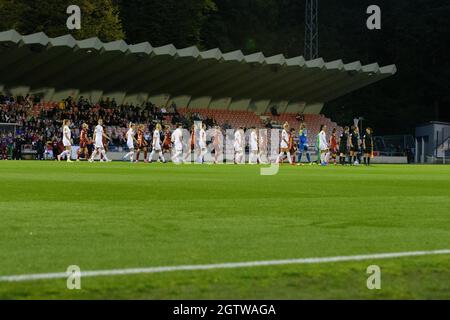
(39, 61)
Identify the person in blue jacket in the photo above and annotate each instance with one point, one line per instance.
(303, 144)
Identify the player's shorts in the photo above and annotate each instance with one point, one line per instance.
(157, 148)
(302, 148)
(66, 143)
(354, 149)
(284, 149)
(141, 145)
(202, 146)
(368, 151)
(178, 147)
(99, 144)
(130, 145)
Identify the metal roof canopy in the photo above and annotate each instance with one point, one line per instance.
(61, 63)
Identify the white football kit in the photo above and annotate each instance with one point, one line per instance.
(202, 142)
(177, 139)
(323, 144)
(253, 142)
(156, 141)
(238, 141)
(67, 133)
(130, 141)
(99, 137)
(284, 139)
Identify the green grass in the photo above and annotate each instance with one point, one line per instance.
(121, 215)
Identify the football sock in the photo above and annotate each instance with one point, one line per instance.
(104, 155)
(289, 157)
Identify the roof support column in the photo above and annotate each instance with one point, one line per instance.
(119, 97)
(313, 108)
(92, 96)
(47, 93)
(259, 106)
(295, 107)
(19, 90)
(239, 104)
(200, 103)
(180, 101)
(63, 94)
(137, 99)
(220, 104)
(159, 100)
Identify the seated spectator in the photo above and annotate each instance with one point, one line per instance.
(274, 111)
(300, 117)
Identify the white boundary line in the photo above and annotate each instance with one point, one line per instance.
(116, 272)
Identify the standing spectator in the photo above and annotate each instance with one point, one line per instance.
(40, 148)
(17, 153)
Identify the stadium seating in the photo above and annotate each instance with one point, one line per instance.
(248, 119)
(225, 118)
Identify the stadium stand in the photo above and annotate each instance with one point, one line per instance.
(39, 122)
(248, 119)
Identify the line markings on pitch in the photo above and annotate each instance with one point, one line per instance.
(232, 265)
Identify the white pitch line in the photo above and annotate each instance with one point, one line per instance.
(116, 272)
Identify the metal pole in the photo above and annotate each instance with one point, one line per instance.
(423, 150)
(443, 147)
(311, 30)
(416, 152)
(437, 145)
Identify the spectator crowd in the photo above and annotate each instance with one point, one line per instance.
(39, 125)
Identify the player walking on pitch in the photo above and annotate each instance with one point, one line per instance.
(284, 145)
(99, 149)
(84, 140)
(354, 146)
(262, 146)
(156, 145)
(177, 139)
(323, 145)
(333, 146)
(368, 146)
(130, 141)
(141, 143)
(303, 144)
(217, 142)
(238, 146)
(67, 141)
(343, 146)
(254, 154)
(202, 144)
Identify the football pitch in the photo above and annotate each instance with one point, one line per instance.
(117, 216)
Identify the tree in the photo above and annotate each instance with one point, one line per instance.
(165, 21)
(99, 18)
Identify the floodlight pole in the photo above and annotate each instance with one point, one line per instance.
(311, 30)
